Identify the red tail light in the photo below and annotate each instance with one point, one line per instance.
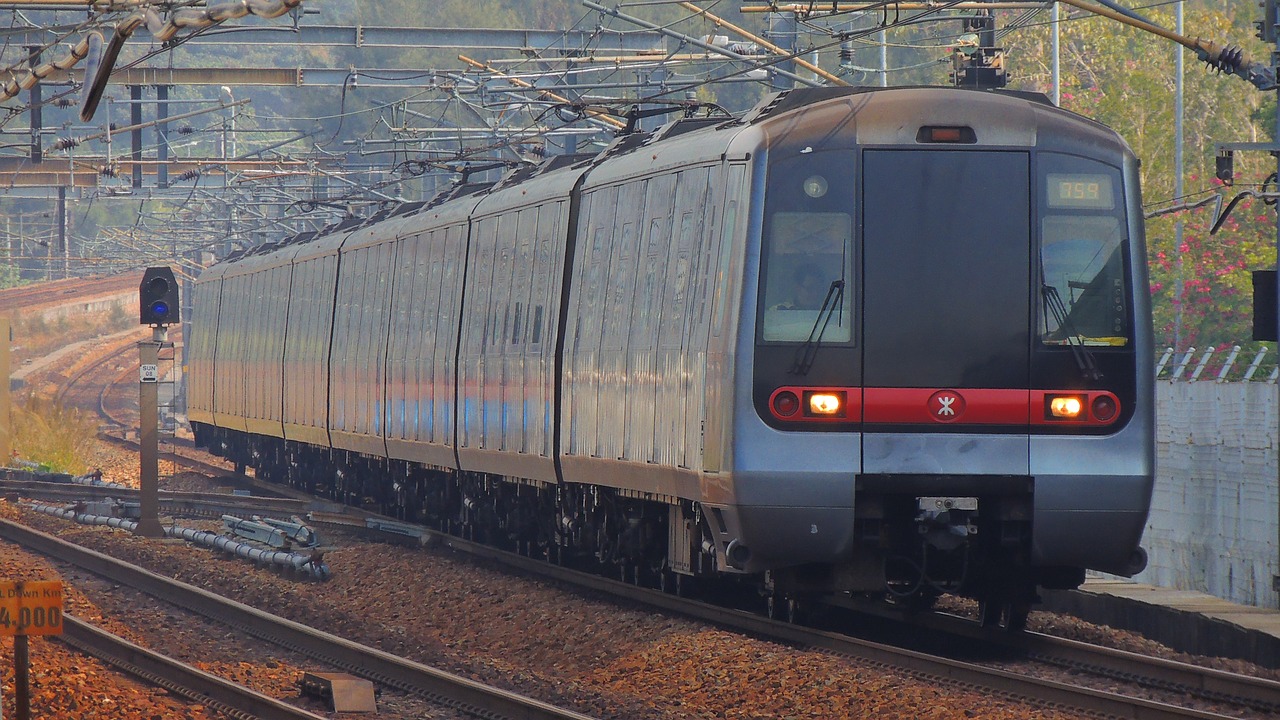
(1104, 408)
(785, 404)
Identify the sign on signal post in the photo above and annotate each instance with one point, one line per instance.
(28, 608)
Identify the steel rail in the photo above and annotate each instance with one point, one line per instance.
(373, 664)
(177, 503)
(1209, 683)
(1030, 689)
(177, 677)
(1206, 683)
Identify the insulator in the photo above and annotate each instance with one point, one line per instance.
(107, 170)
(186, 130)
(66, 143)
(189, 175)
(846, 51)
(111, 127)
(1229, 60)
(63, 102)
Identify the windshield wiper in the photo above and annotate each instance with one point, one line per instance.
(1084, 357)
(808, 352)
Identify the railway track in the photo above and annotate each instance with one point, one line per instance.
(1247, 694)
(61, 292)
(236, 701)
(88, 381)
(448, 690)
(186, 504)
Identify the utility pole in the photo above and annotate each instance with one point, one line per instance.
(1270, 21)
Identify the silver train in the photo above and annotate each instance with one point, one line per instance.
(890, 342)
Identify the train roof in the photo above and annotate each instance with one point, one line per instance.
(875, 115)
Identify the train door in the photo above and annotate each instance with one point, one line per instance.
(946, 305)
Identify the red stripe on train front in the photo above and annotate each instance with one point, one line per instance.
(948, 406)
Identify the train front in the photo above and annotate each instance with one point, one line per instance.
(944, 376)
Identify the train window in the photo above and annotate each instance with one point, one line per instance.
(1083, 265)
(1083, 241)
(537, 325)
(806, 277)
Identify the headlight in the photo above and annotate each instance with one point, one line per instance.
(821, 403)
(1065, 407)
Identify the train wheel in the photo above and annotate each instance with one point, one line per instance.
(684, 585)
(1010, 615)
(787, 609)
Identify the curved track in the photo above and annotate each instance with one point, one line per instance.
(61, 292)
(100, 383)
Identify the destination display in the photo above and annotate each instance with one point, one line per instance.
(1091, 191)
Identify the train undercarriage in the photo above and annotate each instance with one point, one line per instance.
(911, 549)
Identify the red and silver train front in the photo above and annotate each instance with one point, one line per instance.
(944, 374)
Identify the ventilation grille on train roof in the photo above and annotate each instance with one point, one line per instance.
(799, 97)
(685, 125)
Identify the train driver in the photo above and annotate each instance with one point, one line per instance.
(808, 291)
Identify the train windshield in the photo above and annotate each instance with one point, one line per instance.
(1083, 236)
(806, 290)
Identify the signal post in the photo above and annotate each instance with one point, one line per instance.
(157, 307)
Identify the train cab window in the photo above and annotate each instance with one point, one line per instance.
(807, 283)
(806, 287)
(1083, 238)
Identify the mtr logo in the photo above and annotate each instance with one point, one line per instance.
(946, 405)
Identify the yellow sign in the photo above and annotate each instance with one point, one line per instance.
(31, 608)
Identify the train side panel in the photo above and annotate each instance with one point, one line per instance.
(271, 287)
(357, 356)
(424, 332)
(719, 305)
(636, 356)
(239, 328)
(506, 353)
(201, 350)
(306, 352)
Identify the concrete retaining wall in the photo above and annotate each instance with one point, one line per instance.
(1215, 514)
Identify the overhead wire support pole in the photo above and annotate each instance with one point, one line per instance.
(613, 12)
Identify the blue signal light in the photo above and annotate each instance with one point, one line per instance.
(159, 308)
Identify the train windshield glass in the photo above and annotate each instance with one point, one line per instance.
(806, 277)
(1083, 236)
(806, 287)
